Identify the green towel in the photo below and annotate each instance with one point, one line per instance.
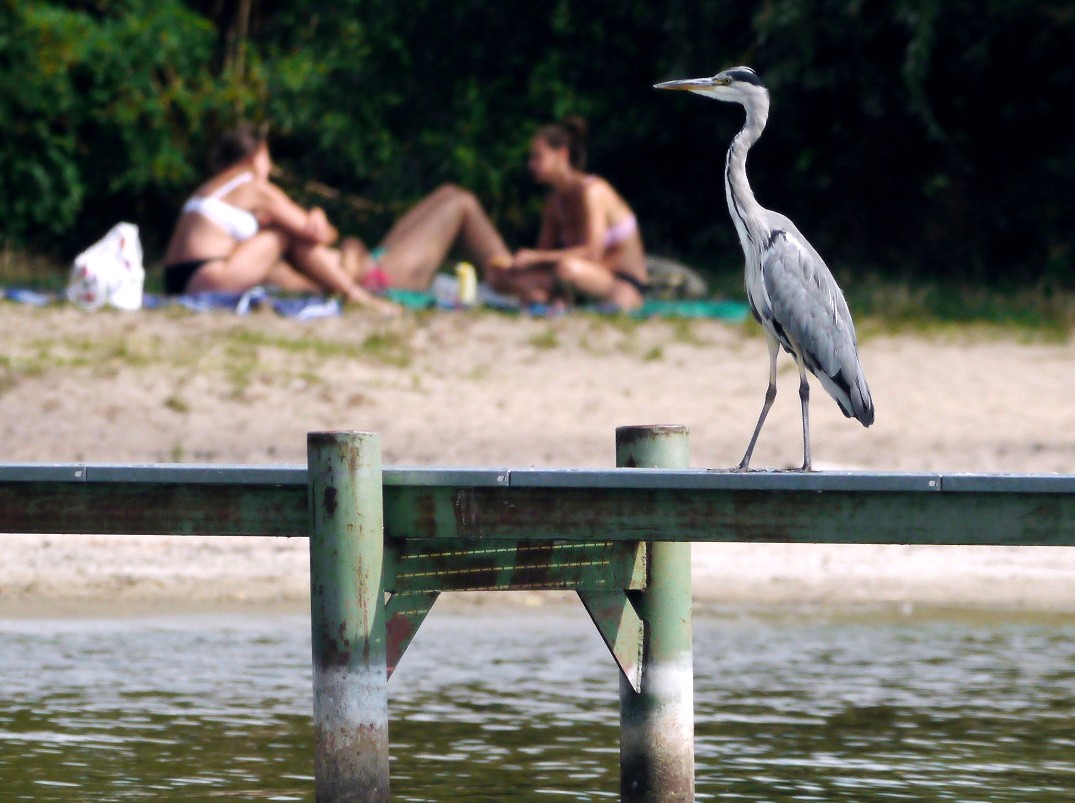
(411, 299)
(734, 311)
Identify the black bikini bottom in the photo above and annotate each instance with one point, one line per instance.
(640, 286)
(177, 275)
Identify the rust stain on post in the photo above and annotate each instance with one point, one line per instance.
(329, 502)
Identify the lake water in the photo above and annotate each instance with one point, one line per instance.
(523, 705)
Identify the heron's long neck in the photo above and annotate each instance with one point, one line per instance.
(745, 210)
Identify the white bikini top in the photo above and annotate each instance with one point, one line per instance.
(236, 221)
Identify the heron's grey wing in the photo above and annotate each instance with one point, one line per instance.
(810, 315)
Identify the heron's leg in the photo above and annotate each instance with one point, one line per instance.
(804, 398)
(770, 397)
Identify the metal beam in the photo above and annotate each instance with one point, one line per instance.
(460, 565)
(501, 504)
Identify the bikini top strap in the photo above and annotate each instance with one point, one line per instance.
(231, 184)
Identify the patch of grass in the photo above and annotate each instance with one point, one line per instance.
(654, 354)
(478, 373)
(240, 361)
(306, 345)
(1043, 311)
(621, 322)
(35, 271)
(8, 379)
(309, 377)
(177, 404)
(546, 339)
(27, 366)
(594, 340)
(133, 350)
(104, 353)
(389, 348)
(683, 332)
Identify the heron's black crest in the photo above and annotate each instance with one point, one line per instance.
(746, 75)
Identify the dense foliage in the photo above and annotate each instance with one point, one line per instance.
(917, 137)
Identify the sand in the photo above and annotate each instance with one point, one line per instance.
(485, 389)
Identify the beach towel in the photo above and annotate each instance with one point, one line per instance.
(312, 307)
(302, 308)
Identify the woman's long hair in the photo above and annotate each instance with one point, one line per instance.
(569, 133)
(236, 145)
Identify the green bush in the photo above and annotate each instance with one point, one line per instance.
(103, 115)
(917, 138)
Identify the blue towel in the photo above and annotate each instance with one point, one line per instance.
(302, 308)
(32, 297)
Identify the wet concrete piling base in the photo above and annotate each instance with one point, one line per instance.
(350, 735)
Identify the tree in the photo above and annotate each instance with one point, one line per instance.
(918, 137)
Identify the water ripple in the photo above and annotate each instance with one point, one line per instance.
(494, 706)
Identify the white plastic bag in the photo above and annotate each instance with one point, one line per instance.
(109, 271)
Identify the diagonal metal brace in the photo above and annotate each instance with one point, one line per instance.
(405, 614)
(620, 627)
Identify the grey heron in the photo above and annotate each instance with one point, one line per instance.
(791, 292)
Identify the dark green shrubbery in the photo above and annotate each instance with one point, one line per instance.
(910, 138)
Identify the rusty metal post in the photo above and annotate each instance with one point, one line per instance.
(347, 613)
(657, 723)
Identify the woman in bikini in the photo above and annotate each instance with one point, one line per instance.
(240, 230)
(589, 236)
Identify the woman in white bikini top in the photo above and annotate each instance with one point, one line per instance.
(240, 230)
(589, 235)
(239, 223)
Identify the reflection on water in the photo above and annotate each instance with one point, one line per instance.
(524, 705)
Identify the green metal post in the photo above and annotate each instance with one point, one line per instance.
(657, 723)
(347, 615)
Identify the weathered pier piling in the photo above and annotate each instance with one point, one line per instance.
(657, 722)
(347, 617)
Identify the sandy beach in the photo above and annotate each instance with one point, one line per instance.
(486, 389)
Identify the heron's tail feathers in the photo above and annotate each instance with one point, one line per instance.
(853, 395)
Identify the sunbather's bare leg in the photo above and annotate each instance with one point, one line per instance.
(285, 277)
(597, 280)
(529, 285)
(421, 239)
(354, 258)
(272, 257)
(322, 264)
(248, 266)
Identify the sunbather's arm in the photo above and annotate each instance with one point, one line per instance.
(275, 208)
(551, 234)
